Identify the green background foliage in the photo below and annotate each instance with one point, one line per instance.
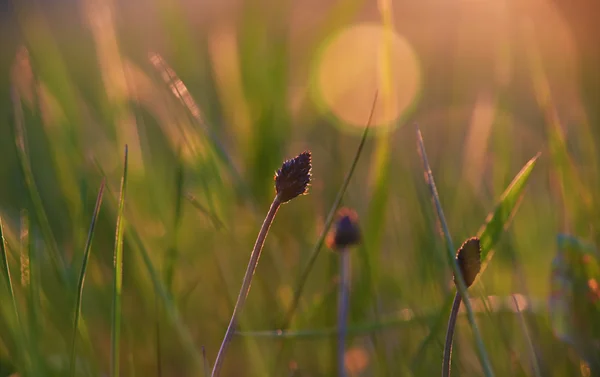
(210, 98)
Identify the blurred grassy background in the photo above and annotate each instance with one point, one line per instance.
(211, 97)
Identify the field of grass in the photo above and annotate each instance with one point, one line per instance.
(138, 146)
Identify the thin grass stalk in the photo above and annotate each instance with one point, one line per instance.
(328, 221)
(241, 300)
(343, 310)
(534, 361)
(34, 195)
(19, 337)
(446, 363)
(33, 296)
(7, 276)
(86, 255)
(168, 304)
(289, 316)
(157, 335)
(459, 280)
(118, 277)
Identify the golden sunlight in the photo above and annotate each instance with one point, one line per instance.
(360, 61)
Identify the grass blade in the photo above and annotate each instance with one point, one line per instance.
(118, 277)
(169, 306)
(328, 221)
(247, 281)
(34, 195)
(462, 288)
(344, 292)
(180, 91)
(171, 256)
(19, 336)
(531, 347)
(6, 272)
(497, 221)
(404, 318)
(86, 254)
(338, 200)
(489, 234)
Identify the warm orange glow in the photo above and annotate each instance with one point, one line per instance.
(359, 61)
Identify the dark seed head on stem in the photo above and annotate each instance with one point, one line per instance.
(345, 231)
(469, 260)
(293, 178)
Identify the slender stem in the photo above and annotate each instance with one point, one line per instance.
(82, 272)
(343, 309)
(157, 335)
(459, 280)
(328, 221)
(536, 368)
(6, 274)
(241, 300)
(450, 336)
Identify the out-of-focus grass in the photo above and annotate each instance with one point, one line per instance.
(77, 83)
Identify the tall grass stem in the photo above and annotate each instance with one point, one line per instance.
(450, 336)
(246, 283)
(343, 309)
(118, 277)
(86, 255)
(459, 280)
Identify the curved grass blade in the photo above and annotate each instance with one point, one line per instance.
(460, 283)
(400, 320)
(170, 308)
(118, 277)
(496, 222)
(86, 254)
(180, 91)
(437, 325)
(317, 248)
(19, 336)
(6, 273)
(328, 221)
(217, 223)
(530, 346)
(34, 195)
(489, 234)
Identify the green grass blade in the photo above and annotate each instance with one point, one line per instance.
(86, 254)
(462, 288)
(34, 295)
(6, 272)
(171, 255)
(179, 90)
(398, 321)
(315, 251)
(168, 304)
(530, 345)
(217, 223)
(19, 336)
(489, 235)
(497, 221)
(435, 328)
(118, 277)
(34, 196)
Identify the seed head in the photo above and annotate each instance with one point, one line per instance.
(345, 231)
(469, 260)
(293, 178)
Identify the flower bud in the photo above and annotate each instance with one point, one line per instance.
(345, 231)
(469, 260)
(293, 178)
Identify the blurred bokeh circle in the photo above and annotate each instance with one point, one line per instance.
(359, 61)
